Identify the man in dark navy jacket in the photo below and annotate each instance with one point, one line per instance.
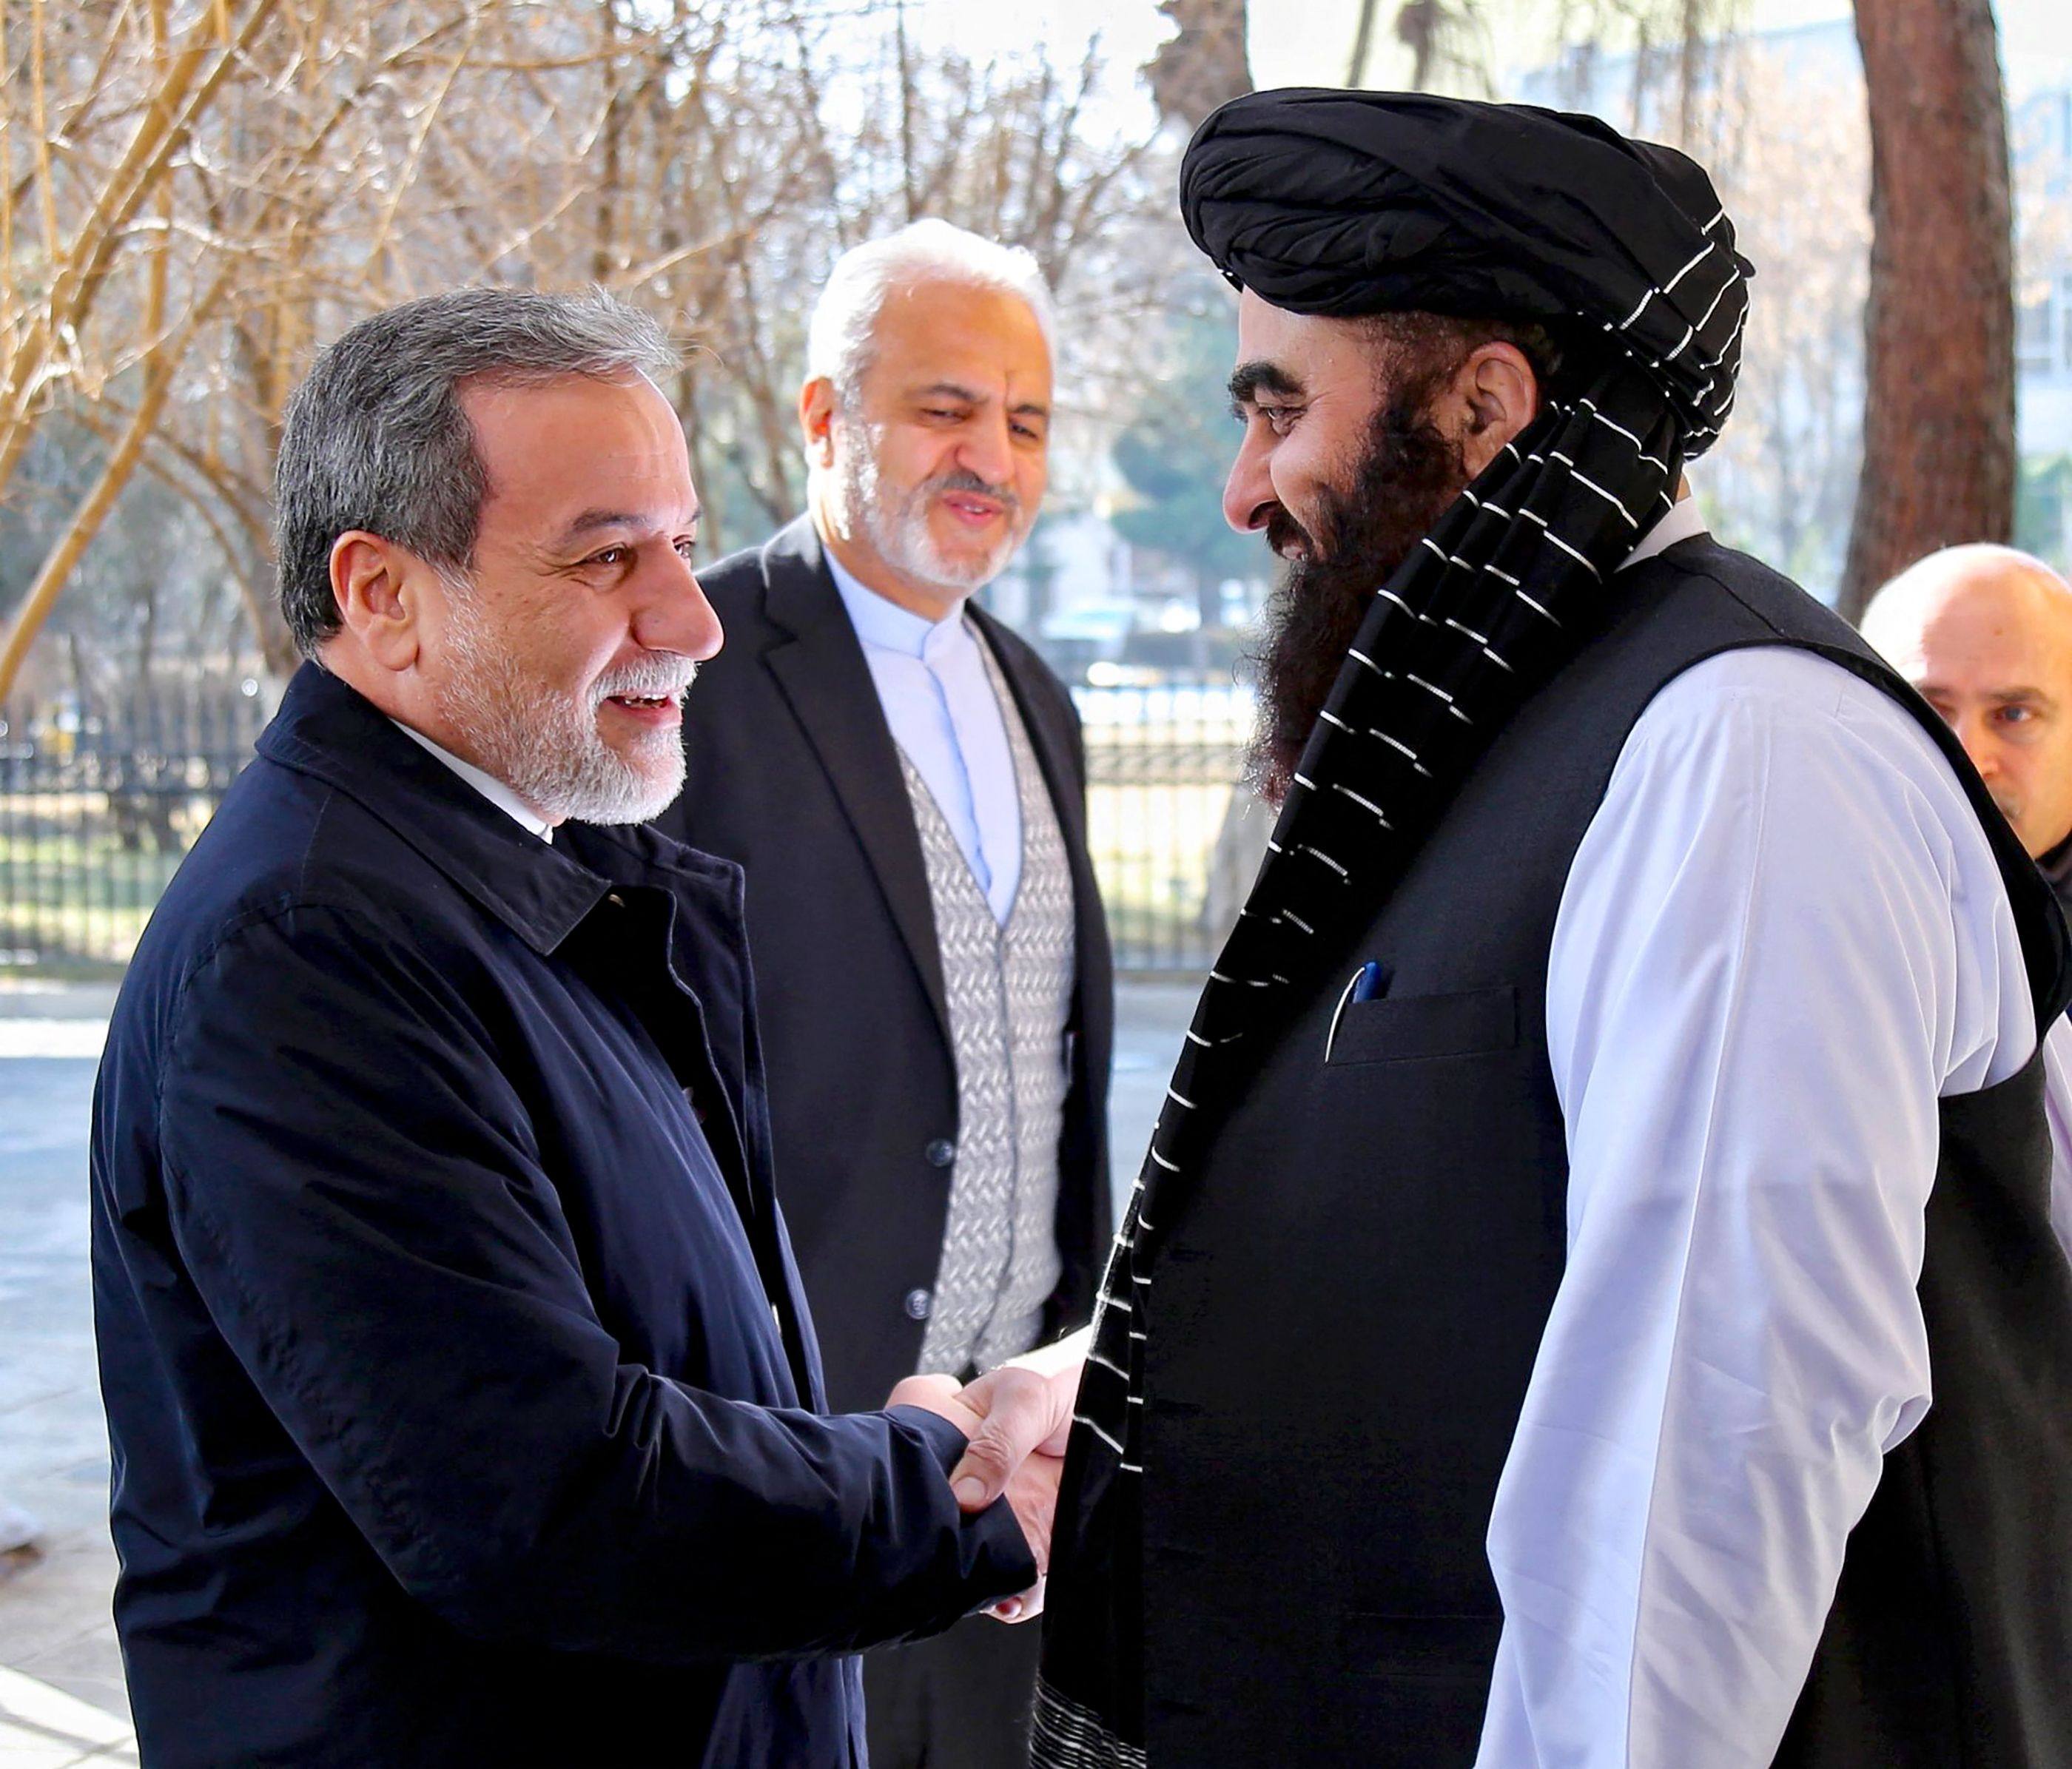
(464, 1404)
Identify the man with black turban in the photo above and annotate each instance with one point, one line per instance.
(1594, 1296)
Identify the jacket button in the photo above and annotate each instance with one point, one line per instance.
(940, 1153)
(918, 1302)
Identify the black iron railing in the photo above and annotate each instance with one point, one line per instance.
(100, 803)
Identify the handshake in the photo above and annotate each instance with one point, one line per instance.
(1017, 1419)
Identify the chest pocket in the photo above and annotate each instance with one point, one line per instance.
(1414, 1028)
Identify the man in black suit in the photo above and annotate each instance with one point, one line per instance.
(904, 782)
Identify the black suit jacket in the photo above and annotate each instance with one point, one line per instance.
(793, 773)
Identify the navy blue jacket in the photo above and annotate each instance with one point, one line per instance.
(464, 1404)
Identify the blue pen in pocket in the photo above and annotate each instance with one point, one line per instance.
(1367, 983)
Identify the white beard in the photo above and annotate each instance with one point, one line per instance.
(898, 531)
(546, 748)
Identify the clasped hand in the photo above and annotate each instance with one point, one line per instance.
(1017, 1419)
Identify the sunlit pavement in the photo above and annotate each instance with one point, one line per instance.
(61, 1695)
(44, 1728)
(61, 1699)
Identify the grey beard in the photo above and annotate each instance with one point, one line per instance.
(898, 531)
(546, 750)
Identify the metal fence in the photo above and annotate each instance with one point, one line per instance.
(98, 804)
(1175, 839)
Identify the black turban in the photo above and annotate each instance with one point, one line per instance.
(1329, 202)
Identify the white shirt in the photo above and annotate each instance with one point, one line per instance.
(490, 788)
(932, 684)
(1782, 937)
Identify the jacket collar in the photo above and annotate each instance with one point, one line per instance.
(330, 732)
(818, 664)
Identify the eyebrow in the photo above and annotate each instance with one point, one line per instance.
(1249, 379)
(957, 390)
(590, 520)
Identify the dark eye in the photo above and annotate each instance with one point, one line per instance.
(611, 555)
(1280, 419)
(687, 547)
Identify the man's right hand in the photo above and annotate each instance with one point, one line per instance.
(1018, 1419)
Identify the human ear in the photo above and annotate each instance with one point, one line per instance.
(1497, 396)
(371, 578)
(816, 420)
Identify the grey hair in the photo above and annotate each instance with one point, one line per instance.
(375, 438)
(839, 341)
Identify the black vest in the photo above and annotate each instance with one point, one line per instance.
(1347, 1311)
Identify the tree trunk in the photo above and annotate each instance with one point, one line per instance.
(1938, 409)
(1205, 64)
(92, 509)
(1362, 44)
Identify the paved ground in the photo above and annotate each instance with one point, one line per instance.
(61, 1697)
(60, 1678)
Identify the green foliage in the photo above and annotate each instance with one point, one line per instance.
(2043, 508)
(1174, 454)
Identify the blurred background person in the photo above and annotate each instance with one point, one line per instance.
(1985, 634)
(904, 782)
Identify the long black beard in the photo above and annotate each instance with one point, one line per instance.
(1408, 475)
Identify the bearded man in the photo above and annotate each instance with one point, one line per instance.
(903, 783)
(464, 1402)
(1595, 1295)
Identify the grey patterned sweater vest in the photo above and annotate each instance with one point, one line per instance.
(1009, 990)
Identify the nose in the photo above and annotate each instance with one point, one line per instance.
(1976, 737)
(674, 615)
(1248, 498)
(986, 450)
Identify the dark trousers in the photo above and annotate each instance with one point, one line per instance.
(961, 1700)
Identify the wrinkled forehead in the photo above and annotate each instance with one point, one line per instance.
(577, 442)
(952, 331)
(1986, 633)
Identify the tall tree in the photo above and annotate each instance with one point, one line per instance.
(1939, 407)
(1205, 64)
(194, 193)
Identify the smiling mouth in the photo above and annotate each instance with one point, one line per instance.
(643, 705)
(974, 509)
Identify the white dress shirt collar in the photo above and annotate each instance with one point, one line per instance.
(490, 788)
(937, 695)
(1682, 523)
(880, 620)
